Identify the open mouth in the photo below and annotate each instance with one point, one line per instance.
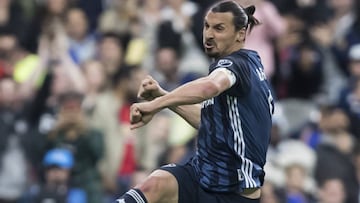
(208, 45)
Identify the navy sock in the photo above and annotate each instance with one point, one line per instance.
(132, 196)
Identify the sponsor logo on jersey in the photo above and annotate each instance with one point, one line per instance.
(169, 165)
(207, 103)
(224, 63)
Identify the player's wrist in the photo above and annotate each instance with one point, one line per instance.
(162, 92)
(158, 104)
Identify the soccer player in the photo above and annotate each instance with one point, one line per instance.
(232, 109)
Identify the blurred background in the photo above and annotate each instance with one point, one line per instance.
(70, 69)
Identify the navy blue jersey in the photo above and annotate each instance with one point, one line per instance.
(235, 128)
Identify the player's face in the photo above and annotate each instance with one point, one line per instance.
(219, 35)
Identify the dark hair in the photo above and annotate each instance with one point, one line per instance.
(111, 35)
(71, 96)
(243, 17)
(121, 39)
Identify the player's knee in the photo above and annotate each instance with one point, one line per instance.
(160, 186)
(151, 185)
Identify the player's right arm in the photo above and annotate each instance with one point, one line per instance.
(150, 89)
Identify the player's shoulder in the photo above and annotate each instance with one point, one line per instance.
(244, 54)
(227, 61)
(238, 57)
(238, 61)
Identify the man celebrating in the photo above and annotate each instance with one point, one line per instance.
(233, 119)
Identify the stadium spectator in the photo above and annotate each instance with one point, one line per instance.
(72, 132)
(93, 10)
(125, 150)
(12, 19)
(177, 31)
(168, 72)
(45, 13)
(306, 71)
(334, 154)
(343, 19)
(349, 99)
(8, 42)
(294, 189)
(60, 75)
(332, 190)
(110, 53)
(137, 47)
(117, 18)
(263, 37)
(150, 17)
(13, 165)
(56, 188)
(82, 44)
(95, 76)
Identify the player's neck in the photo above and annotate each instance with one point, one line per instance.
(231, 50)
(236, 47)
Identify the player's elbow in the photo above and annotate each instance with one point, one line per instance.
(210, 89)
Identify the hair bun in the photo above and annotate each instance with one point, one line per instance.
(250, 10)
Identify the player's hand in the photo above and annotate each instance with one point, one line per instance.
(150, 89)
(135, 115)
(139, 118)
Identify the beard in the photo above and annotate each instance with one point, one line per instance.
(211, 53)
(211, 49)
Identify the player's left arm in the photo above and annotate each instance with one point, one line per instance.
(193, 92)
(196, 91)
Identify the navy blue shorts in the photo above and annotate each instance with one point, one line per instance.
(191, 192)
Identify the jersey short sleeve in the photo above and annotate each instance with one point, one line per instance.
(229, 74)
(241, 72)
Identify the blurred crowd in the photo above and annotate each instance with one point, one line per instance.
(70, 69)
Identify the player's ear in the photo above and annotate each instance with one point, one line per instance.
(240, 37)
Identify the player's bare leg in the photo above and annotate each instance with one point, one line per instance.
(160, 187)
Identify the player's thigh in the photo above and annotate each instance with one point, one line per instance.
(160, 187)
